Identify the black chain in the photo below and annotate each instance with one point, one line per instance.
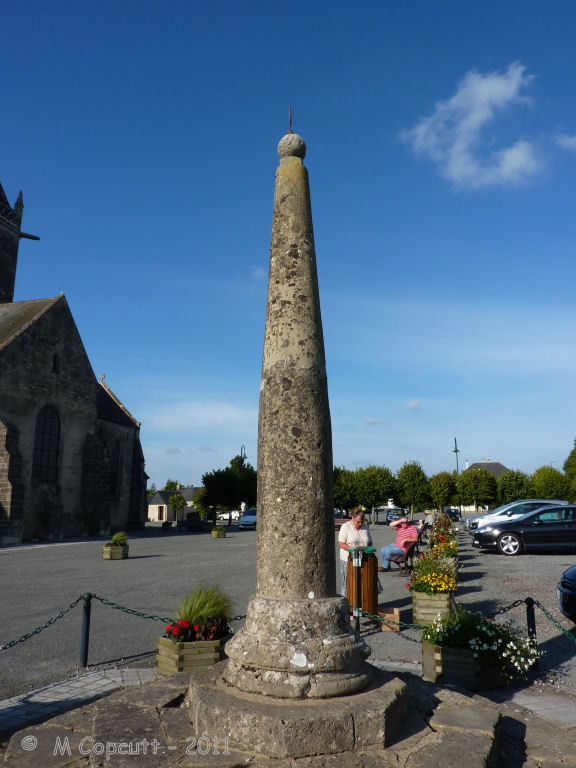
(507, 608)
(391, 622)
(557, 624)
(36, 631)
(131, 611)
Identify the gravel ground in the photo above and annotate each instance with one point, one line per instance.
(41, 579)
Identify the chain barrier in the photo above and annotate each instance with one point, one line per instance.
(131, 611)
(87, 597)
(557, 624)
(506, 608)
(36, 631)
(390, 622)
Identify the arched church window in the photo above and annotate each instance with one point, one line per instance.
(46, 446)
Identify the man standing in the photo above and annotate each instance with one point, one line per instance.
(406, 535)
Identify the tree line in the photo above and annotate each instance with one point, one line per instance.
(410, 487)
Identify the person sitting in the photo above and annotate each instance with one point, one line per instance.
(406, 535)
(353, 534)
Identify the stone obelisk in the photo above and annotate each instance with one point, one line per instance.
(297, 641)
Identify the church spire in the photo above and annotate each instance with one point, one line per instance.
(10, 235)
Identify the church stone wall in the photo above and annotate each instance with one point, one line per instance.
(47, 365)
(11, 487)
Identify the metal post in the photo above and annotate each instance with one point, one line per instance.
(531, 624)
(357, 562)
(85, 640)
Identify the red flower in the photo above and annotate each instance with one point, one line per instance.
(184, 624)
(169, 628)
(196, 627)
(176, 629)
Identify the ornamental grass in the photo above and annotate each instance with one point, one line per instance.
(500, 646)
(201, 615)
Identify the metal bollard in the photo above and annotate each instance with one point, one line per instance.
(531, 624)
(85, 639)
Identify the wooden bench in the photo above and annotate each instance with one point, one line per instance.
(404, 561)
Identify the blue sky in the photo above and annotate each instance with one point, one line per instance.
(442, 156)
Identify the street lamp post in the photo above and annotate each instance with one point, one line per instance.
(456, 451)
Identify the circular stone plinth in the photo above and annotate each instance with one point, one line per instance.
(286, 728)
(298, 649)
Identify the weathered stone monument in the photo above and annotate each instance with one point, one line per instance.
(296, 682)
(297, 641)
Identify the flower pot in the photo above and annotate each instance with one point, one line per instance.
(425, 607)
(114, 552)
(179, 657)
(460, 667)
(218, 534)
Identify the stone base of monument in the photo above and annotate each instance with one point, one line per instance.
(284, 728)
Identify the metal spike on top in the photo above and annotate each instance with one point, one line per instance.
(290, 120)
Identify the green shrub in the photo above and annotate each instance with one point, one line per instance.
(119, 539)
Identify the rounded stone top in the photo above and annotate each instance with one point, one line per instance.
(292, 145)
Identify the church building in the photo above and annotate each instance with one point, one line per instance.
(71, 462)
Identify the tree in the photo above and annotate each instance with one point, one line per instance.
(442, 489)
(171, 485)
(200, 504)
(513, 485)
(412, 487)
(549, 483)
(374, 485)
(345, 493)
(477, 486)
(570, 464)
(151, 491)
(176, 503)
(228, 488)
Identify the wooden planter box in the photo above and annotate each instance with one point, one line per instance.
(425, 607)
(114, 553)
(458, 666)
(218, 534)
(179, 657)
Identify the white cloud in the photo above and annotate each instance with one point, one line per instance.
(187, 416)
(566, 142)
(451, 136)
(259, 274)
(375, 422)
(413, 405)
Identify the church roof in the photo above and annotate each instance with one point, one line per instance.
(494, 467)
(111, 409)
(17, 316)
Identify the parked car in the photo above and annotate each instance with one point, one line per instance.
(548, 528)
(234, 515)
(248, 519)
(566, 593)
(506, 511)
(395, 513)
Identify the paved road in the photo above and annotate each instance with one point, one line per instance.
(41, 579)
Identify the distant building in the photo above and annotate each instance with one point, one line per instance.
(493, 467)
(159, 505)
(71, 462)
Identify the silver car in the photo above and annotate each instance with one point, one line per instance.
(509, 512)
(248, 519)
